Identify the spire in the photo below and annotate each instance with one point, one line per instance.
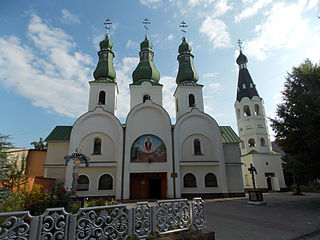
(246, 87)
(186, 73)
(105, 71)
(146, 70)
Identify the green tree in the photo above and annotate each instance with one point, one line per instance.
(4, 145)
(297, 124)
(13, 174)
(41, 145)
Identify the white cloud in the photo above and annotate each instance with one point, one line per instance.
(252, 9)
(314, 49)
(221, 8)
(282, 28)
(151, 3)
(169, 86)
(69, 17)
(170, 37)
(313, 4)
(124, 78)
(210, 75)
(132, 44)
(56, 79)
(216, 31)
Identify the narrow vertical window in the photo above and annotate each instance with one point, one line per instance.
(197, 147)
(256, 109)
(97, 146)
(262, 142)
(146, 97)
(246, 111)
(191, 100)
(102, 97)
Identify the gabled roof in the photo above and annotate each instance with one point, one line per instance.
(228, 135)
(60, 134)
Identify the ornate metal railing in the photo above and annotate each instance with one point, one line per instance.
(107, 222)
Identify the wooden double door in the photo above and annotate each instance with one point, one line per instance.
(148, 185)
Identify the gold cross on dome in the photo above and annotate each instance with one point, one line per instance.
(239, 44)
(107, 23)
(183, 26)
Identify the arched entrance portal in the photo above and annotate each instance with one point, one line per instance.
(145, 184)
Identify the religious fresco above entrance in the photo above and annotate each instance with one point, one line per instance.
(148, 148)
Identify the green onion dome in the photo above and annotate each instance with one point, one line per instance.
(105, 71)
(186, 71)
(146, 70)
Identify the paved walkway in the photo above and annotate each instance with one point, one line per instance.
(284, 217)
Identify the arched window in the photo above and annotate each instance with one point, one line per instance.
(210, 180)
(244, 86)
(251, 142)
(256, 109)
(146, 97)
(97, 146)
(189, 180)
(105, 182)
(191, 100)
(102, 97)
(83, 183)
(262, 142)
(251, 85)
(196, 147)
(238, 113)
(246, 111)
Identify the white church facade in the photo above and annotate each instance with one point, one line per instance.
(147, 156)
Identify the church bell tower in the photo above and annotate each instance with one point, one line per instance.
(104, 89)
(188, 93)
(251, 117)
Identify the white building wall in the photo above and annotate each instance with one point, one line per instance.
(146, 88)
(199, 124)
(111, 90)
(181, 96)
(102, 124)
(233, 167)
(200, 172)
(254, 126)
(264, 163)
(54, 166)
(94, 173)
(148, 118)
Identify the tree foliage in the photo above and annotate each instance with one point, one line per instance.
(297, 125)
(13, 174)
(41, 145)
(4, 145)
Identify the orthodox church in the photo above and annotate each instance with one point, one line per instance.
(256, 148)
(148, 157)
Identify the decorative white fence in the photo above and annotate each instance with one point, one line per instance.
(107, 222)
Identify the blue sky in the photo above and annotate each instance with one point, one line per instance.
(48, 51)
